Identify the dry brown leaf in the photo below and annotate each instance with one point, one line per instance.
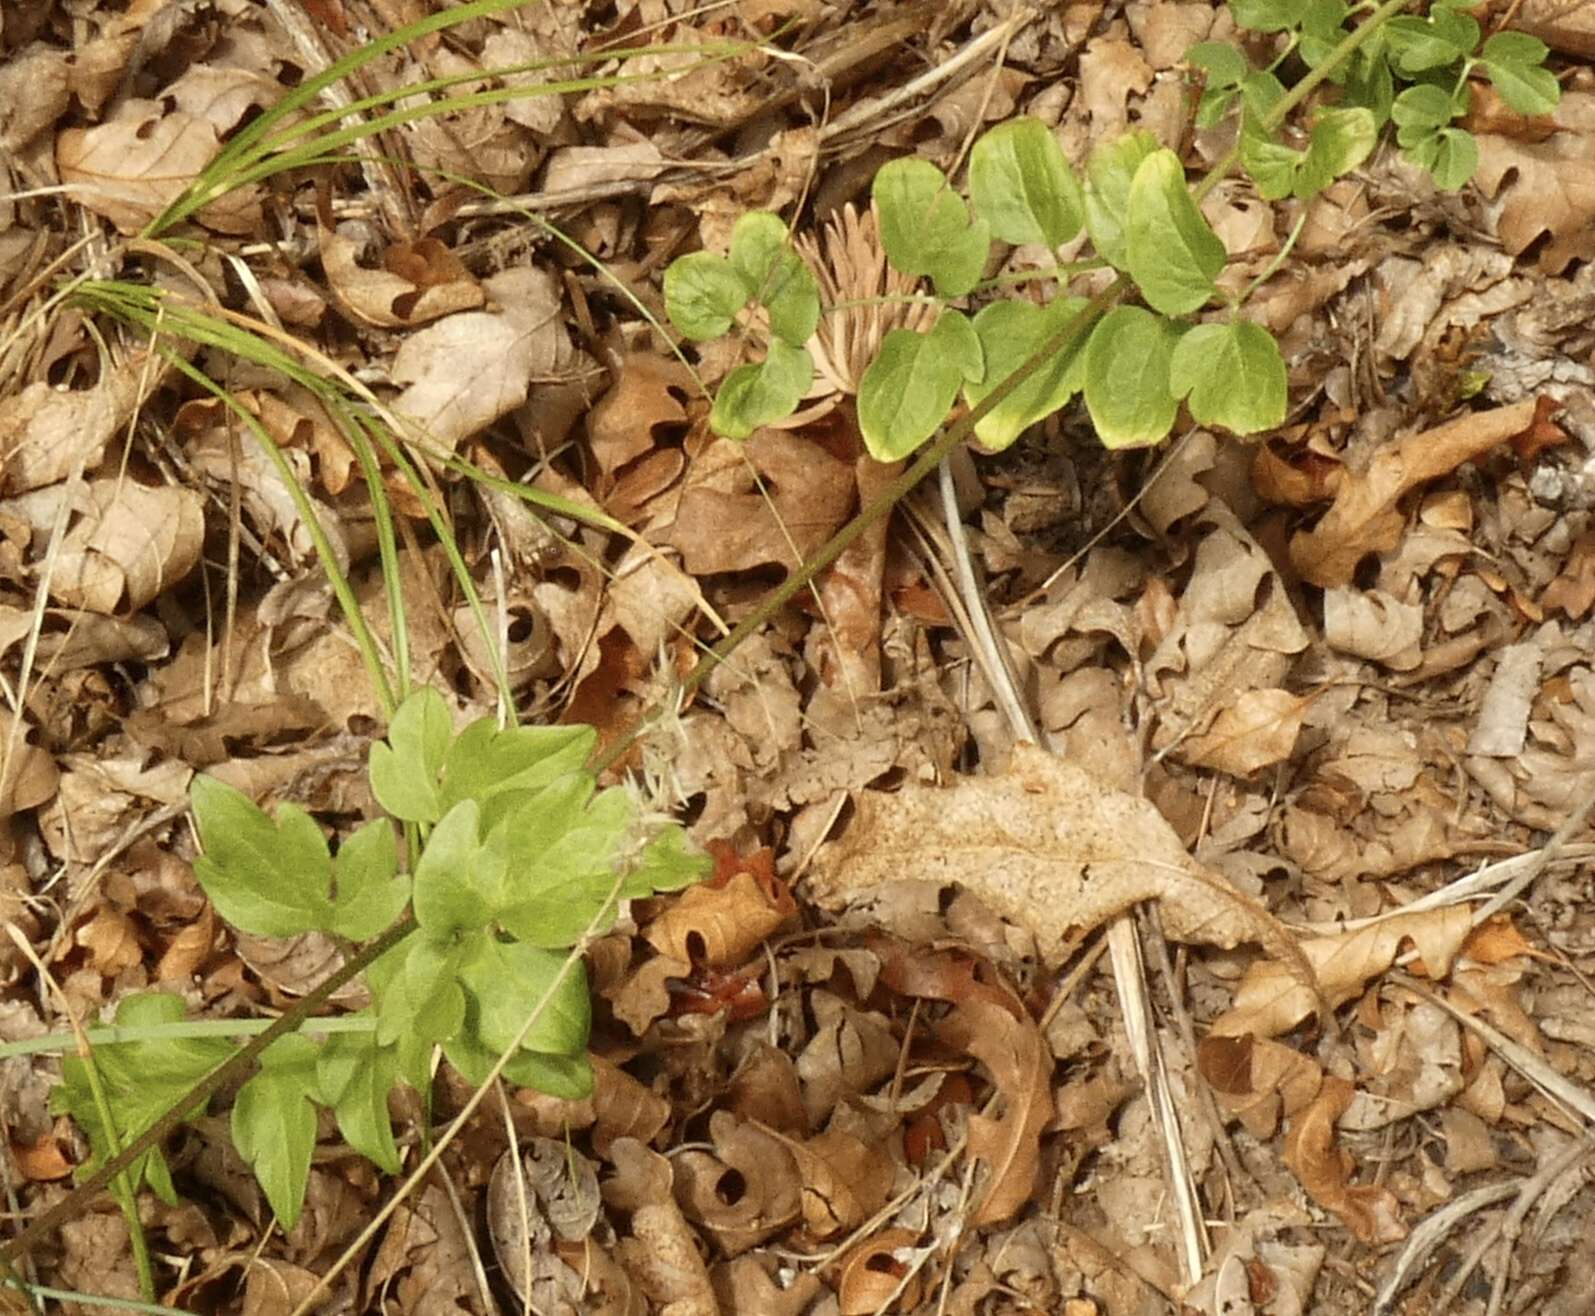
(743, 1191)
(1049, 848)
(465, 371)
(1257, 1080)
(1258, 729)
(41, 1161)
(1573, 590)
(720, 926)
(845, 1181)
(661, 1253)
(850, 1052)
(724, 523)
(48, 434)
(871, 1278)
(130, 169)
(1371, 1212)
(419, 281)
(1546, 189)
(751, 1284)
(1364, 517)
(1271, 1000)
(1016, 1055)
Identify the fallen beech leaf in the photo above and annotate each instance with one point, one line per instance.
(1270, 999)
(1050, 848)
(1257, 730)
(129, 544)
(719, 926)
(1364, 518)
(1370, 1212)
(1020, 1064)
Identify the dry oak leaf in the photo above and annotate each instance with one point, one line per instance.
(1020, 1064)
(743, 1191)
(1050, 848)
(1271, 999)
(661, 1253)
(872, 1273)
(1370, 1212)
(1545, 189)
(845, 1180)
(47, 435)
(1257, 1080)
(1364, 517)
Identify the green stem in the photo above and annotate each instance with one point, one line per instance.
(1302, 90)
(183, 1030)
(1279, 259)
(233, 1068)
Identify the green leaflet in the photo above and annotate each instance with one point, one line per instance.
(1127, 377)
(909, 388)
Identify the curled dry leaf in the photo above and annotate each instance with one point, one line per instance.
(1364, 517)
(845, 1180)
(872, 1274)
(743, 1191)
(1370, 1212)
(1271, 1000)
(47, 434)
(721, 926)
(661, 1254)
(129, 544)
(28, 775)
(419, 281)
(554, 1196)
(1016, 1055)
(1051, 849)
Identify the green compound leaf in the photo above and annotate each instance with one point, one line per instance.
(755, 395)
(419, 1001)
(1513, 60)
(405, 768)
(1109, 172)
(1451, 155)
(668, 863)
(141, 1080)
(1421, 110)
(1010, 333)
(912, 383)
(1234, 375)
(274, 1123)
(1436, 42)
(270, 878)
(354, 1076)
(369, 891)
(451, 875)
(1023, 187)
(1322, 29)
(703, 294)
(1223, 63)
(926, 228)
(564, 846)
(1272, 165)
(1127, 377)
(1268, 15)
(1171, 251)
(762, 254)
(503, 984)
(1341, 140)
(492, 766)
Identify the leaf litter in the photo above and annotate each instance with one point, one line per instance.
(1290, 695)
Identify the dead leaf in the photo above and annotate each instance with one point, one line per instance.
(1545, 189)
(1271, 999)
(1257, 1080)
(661, 1253)
(50, 433)
(1371, 1212)
(871, 1278)
(743, 1191)
(1259, 729)
(845, 1181)
(1050, 849)
(132, 168)
(1364, 517)
(420, 281)
(720, 926)
(1016, 1055)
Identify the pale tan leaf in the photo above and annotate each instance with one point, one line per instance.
(844, 1180)
(720, 926)
(1257, 1080)
(1258, 729)
(47, 435)
(419, 281)
(1049, 848)
(132, 168)
(1271, 1000)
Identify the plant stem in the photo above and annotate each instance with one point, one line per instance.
(235, 1067)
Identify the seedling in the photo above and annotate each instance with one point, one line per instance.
(1138, 364)
(523, 856)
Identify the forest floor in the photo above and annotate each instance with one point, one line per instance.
(898, 1054)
